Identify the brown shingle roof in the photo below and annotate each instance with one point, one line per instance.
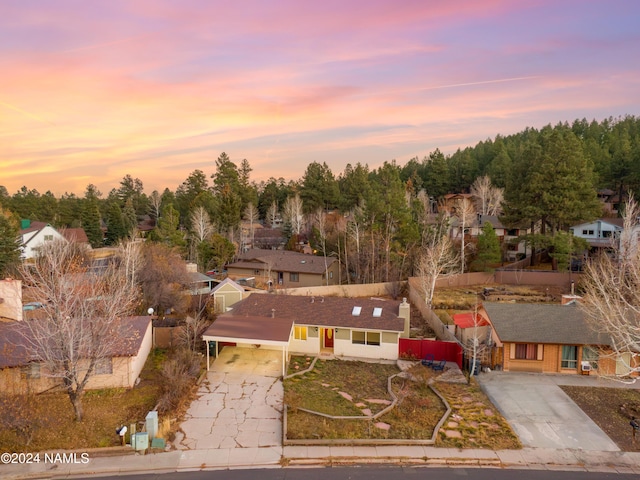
(13, 351)
(76, 235)
(322, 311)
(282, 260)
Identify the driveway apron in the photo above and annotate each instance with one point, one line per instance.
(541, 414)
(239, 405)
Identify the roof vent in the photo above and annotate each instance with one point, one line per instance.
(356, 311)
(303, 261)
(313, 299)
(377, 312)
(273, 313)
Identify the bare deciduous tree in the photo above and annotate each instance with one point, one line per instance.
(251, 216)
(155, 204)
(201, 226)
(293, 213)
(437, 258)
(320, 224)
(272, 214)
(83, 320)
(465, 213)
(489, 197)
(612, 294)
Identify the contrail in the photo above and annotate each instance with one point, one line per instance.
(26, 114)
(501, 80)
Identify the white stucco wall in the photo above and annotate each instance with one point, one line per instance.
(384, 351)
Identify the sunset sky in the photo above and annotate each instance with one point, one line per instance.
(93, 90)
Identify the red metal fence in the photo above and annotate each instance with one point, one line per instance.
(418, 349)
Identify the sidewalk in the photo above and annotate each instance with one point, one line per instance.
(297, 456)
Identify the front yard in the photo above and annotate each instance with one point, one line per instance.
(46, 421)
(347, 388)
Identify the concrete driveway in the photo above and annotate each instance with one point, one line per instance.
(541, 414)
(239, 405)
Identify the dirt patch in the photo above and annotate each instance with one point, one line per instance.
(610, 409)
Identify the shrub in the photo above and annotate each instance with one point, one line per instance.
(178, 377)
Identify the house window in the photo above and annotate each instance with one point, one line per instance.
(569, 356)
(606, 233)
(591, 355)
(256, 272)
(294, 277)
(300, 333)
(587, 232)
(526, 351)
(365, 338)
(31, 371)
(104, 366)
(330, 274)
(48, 238)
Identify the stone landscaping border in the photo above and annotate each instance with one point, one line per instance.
(354, 441)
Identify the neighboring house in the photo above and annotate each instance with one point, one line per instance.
(75, 235)
(508, 237)
(35, 234)
(450, 200)
(199, 284)
(285, 269)
(610, 201)
(226, 294)
(547, 338)
(351, 327)
(269, 239)
(601, 233)
(21, 370)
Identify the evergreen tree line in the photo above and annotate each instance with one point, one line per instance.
(550, 178)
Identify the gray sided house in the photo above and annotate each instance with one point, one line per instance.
(351, 327)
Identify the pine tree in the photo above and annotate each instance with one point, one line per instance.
(9, 242)
(115, 224)
(488, 246)
(91, 222)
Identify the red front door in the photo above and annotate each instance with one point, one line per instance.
(328, 338)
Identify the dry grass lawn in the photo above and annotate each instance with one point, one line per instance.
(51, 422)
(413, 418)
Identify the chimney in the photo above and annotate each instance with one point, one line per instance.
(404, 311)
(313, 299)
(273, 313)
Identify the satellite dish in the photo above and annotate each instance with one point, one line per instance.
(150, 311)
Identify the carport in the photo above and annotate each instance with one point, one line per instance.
(249, 330)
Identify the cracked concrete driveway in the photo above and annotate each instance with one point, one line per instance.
(541, 414)
(239, 405)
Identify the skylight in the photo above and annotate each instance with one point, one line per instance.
(356, 311)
